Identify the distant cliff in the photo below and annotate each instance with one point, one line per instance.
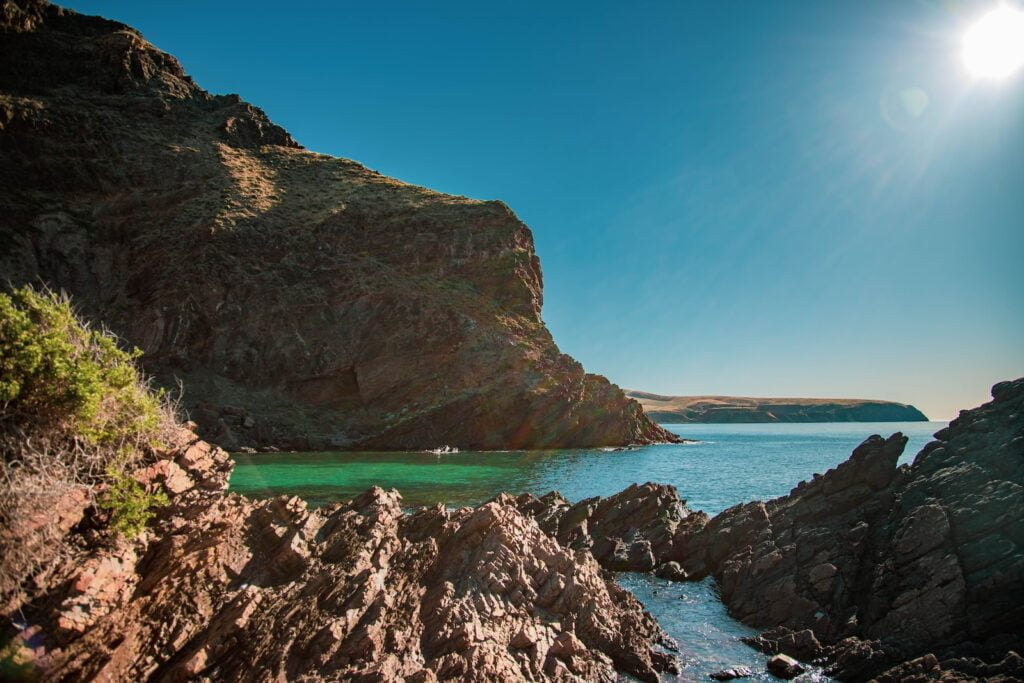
(303, 300)
(738, 409)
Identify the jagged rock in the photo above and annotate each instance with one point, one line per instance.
(339, 307)
(885, 564)
(800, 644)
(223, 588)
(633, 530)
(784, 666)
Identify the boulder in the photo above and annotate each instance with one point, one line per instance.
(731, 673)
(784, 666)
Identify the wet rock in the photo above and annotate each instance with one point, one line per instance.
(730, 674)
(800, 644)
(784, 666)
(671, 571)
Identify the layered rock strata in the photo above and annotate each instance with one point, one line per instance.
(305, 301)
(874, 565)
(222, 588)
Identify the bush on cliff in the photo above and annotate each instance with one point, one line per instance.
(76, 417)
(60, 379)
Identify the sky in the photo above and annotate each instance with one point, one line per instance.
(797, 198)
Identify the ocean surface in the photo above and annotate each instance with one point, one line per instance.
(726, 464)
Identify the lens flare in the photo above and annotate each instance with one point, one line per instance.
(994, 47)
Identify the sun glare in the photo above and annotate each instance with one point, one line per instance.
(994, 46)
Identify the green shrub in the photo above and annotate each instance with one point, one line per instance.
(58, 377)
(74, 409)
(129, 504)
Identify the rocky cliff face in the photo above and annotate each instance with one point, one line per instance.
(886, 564)
(303, 300)
(222, 588)
(741, 409)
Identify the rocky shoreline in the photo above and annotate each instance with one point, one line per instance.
(339, 308)
(226, 588)
(871, 570)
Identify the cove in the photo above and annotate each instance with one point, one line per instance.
(724, 465)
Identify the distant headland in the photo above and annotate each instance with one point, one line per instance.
(740, 409)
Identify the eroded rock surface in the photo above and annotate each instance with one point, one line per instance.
(872, 565)
(305, 301)
(224, 588)
(633, 530)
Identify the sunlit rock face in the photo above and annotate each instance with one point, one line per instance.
(871, 565)
(223, 588)
(305, 301)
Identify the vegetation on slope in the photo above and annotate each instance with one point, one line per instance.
(76, 417)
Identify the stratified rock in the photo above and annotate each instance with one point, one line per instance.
(885, 564)
(223, 588)
(305, 301)
(633, 530)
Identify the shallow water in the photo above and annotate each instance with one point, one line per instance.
(728, 464)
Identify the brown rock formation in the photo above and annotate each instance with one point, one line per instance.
(303, 300)
(885, 564)
(223, 588)
(633, 530)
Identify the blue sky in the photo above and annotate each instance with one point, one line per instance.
(759, 198)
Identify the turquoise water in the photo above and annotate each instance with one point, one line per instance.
(728, 464)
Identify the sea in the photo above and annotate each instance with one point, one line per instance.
(722, 465)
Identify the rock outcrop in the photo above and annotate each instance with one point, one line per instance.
(222, 588)
(304, 301)
(918, 569)
(634, 530)
(740, 409)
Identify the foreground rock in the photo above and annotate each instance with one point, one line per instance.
(227, 589)
(873, 566)
(634, 530)
(742, 409)
(305, 301)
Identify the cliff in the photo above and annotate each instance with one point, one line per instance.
(739, 409)
(304, 301)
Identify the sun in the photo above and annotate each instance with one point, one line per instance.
(994, 46)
